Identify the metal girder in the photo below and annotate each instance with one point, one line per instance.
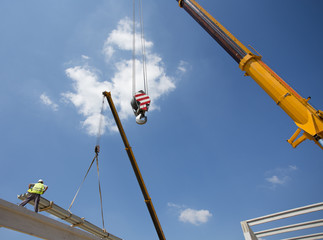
(250, 235)
(57, 211)
(316, 236)
(23, 220)
(247, 231)
(286, 214)
(290, 228)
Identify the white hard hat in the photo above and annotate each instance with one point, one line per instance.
(40, 180)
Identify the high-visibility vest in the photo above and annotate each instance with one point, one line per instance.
(38, 188)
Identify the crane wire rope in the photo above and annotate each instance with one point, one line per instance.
(133, 48)
(98, 137)
(97, 150)
(143, 48)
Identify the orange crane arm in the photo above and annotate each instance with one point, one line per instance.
(136, 170)
(306, 117)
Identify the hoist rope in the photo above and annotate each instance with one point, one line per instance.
(143, 49)
(97, 150)
(98, 137)
(134, 48)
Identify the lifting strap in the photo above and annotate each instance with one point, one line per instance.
(77, 192)
(96, 150)
(97, 167)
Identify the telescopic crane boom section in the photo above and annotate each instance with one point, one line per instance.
(135, 167)
(306, 117)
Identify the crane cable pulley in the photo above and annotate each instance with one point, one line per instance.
(140, 100)
(96, 150)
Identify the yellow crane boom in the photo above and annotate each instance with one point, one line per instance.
(136, 170)
(306, 117)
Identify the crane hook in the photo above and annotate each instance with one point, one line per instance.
(140, 105)
(141, 118)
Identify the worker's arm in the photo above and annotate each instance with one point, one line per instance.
(46, 187)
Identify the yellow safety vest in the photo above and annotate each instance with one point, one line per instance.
(38, 188)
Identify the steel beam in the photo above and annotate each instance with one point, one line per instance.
(286, 214)
(247, 232)
(57, 211)
(316, 236)
(290, 228)
(250, 235)
(23, 220)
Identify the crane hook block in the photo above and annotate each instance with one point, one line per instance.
(140, 105)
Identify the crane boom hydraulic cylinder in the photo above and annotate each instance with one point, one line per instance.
(135, 167)
(306, 117)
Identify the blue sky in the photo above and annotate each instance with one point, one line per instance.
(214, 150)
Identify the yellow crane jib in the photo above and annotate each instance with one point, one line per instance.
(307, 118)
(135, 168)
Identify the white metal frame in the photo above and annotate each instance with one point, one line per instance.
(250, 235)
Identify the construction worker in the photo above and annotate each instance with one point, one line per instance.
(34, 192)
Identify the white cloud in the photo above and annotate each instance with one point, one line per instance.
(122, 39)
(292, 168)
(87, 85)
(280, 176)
(182, 66)
(189, 215)
(87, 98)
(47, 101)
(195, 217)
(276, 180)
(85, 57)
(173, 205)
